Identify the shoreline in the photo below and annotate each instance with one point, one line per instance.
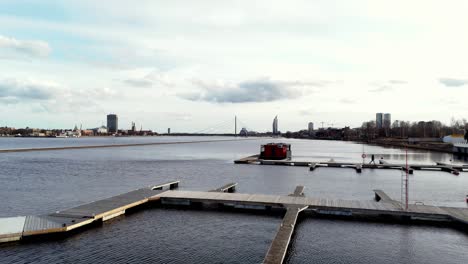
(119, 145)
(443, 148)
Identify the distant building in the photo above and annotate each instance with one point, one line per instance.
(168, 130)
(379, 120)
(243, 132)
(275, 126)
(311, 128)
(387, 121)
(87, 132)
(101, 130)
(112, 123)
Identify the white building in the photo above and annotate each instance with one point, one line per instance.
(275, 126)
(101, 130)
(311, 128)
(387, 120)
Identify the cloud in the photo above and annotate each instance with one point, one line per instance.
(307, 112)
(15, 48)
(397, 82)
(452, 82)
(260, 90)
(347, 101)
(17, 90)
(381, 88)
(385, 86)
(53, 97)
(154, 78)
(139, 82)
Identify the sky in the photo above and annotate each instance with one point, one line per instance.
(194, 65)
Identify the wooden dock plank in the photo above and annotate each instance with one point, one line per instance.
(98, 208)
(230, 187)
(75, 217)
(451, 168)
(278, 248)
(11, 228)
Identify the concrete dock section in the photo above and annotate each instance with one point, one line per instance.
(17, 228)
(383, 197)
(60, 222)
(230, 188)
(279, 247)
(318, 205)
(313, 165)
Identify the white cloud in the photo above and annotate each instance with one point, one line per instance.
(154, 78)
(355, 41)
(14, 48)
(250, 91)
(452, 82)
(26, 90)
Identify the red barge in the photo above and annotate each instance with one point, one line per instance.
(275, 151)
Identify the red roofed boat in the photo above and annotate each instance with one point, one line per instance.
(275, 151)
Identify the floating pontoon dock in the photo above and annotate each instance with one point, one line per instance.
(20, 228)
(451, 168)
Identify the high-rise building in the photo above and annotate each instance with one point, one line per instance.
(112, 123)
(379, 120)
(275, 126)
(311, 128)
(387, 121)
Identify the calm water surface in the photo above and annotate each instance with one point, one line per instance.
(44, 182)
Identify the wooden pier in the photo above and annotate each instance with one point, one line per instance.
(248, 160)
(382, 196)
(230, 188)
(451, 168)
(17, 228)
(280, 244)
(24, 227)
(317, 205)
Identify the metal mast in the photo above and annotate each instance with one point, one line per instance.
(235, 126)
(405, 184)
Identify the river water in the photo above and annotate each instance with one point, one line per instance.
(43, 182)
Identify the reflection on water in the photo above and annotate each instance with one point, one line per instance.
(325, 241)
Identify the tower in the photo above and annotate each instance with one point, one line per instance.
(275, 125)
(379, 120)
(112, 123)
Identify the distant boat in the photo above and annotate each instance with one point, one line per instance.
(61, 136)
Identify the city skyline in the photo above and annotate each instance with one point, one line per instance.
(162, 65)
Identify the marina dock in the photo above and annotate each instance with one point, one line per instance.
(280, 244)
(384, 208)
(23, 227)
(450, 168)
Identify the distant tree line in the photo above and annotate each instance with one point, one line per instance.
(421, 129)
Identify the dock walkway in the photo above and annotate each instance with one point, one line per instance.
(280, 244)
(230, 187)
(23, 227)
(451, 168)
(318, 205)
(16, 228)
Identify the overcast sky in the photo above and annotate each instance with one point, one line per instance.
(190, 65)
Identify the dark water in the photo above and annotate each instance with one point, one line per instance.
(43, 182)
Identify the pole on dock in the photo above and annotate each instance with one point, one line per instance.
(406, 179)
